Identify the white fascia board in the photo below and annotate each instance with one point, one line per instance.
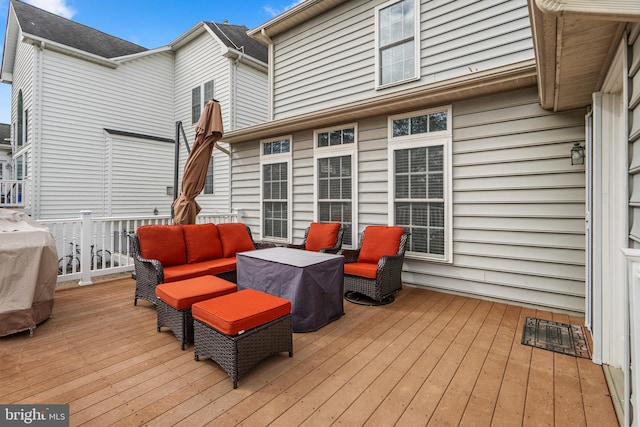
(67, 50)
(605, 10)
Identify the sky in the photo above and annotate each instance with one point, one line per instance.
(148, 23)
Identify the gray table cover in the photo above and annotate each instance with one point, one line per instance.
(312, 281)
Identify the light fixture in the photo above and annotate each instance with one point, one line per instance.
(577, 154)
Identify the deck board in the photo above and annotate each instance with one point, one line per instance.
(427, 359)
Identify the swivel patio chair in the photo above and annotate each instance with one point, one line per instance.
(322, 237)
(373, 272)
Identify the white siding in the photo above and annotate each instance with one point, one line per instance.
(330, 60)
(138, 187)
(634, 143)
(196, 63)
(518, 204)
(251, 97)
(79, 100)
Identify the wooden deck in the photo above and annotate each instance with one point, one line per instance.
(427, 359)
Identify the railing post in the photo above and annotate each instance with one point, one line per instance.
(86, 237)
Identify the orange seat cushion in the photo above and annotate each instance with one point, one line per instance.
(164, 243)
(202, 242)
(235, 238)
(322, 236)
(379, 241)
(188, 271)
(240, 311)
(183, 294)
(362, 269)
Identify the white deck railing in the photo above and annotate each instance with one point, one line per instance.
(13, 193)
(95, 246)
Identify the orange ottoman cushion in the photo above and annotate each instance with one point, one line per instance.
(240, 311)
(322, 236)
(183, 294)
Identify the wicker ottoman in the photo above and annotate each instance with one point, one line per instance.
(176, 298)
(239, 330)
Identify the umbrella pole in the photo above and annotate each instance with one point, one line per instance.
(175, 167)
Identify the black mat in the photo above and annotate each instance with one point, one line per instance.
(554, 336)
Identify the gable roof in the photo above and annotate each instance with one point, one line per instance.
(236, 37)
(46, 25)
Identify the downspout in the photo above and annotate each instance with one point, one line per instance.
(36, 146)
(271, 71)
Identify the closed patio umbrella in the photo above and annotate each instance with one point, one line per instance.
(208, 132)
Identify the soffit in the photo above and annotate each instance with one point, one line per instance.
(574, 41)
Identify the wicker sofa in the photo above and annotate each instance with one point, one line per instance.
(169, 253)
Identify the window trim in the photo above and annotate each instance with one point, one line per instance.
(444, 138)
(338, 151)
(266, 159)
(416, 45)
(202, 95)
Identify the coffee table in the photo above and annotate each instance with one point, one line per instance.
(312, 281)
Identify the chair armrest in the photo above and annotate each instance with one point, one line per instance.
(148, 270)
(264, 245)
(350, 255)
(292, 246)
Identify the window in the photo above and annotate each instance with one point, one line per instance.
(198, 100)
(208, 181)
(335, 159)
(19, 170)
(397, 58)
(275, 166)
(420, 175)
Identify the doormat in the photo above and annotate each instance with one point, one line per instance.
(554, 336)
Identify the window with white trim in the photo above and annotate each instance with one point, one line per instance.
(335, 165)
(199, 97)
(397, 42)
(275, 185)
(420, 178)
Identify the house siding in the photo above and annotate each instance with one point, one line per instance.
(196, 63)
(251, 96)
(634, 139)
(518, 205)
(135, 97)
(330, 60)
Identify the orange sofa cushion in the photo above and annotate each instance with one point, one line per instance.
(379, 241)
(235, 238)
(202, 242)
(322, 236)
(240, 311)
(188, 271)
(183, 294)
(164, 243)
(362, 269)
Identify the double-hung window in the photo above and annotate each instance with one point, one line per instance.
(397, 42)
(420, 179)
(208, 181)
(275, 185)
(199, 96)
(335, 152)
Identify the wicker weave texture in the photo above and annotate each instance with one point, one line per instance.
(180, 322)
(238, 354)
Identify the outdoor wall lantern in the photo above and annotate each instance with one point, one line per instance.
(577, 154)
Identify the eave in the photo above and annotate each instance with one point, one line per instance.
(573, 42)
(482, 83)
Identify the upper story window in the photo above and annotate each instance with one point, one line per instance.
(208, 181)
(397, 44)
(335, 155)
(199, 96)
(275, 186)
(420, 180)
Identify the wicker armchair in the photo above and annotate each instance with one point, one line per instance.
(149, 273)
(375, 283)
(322, 237)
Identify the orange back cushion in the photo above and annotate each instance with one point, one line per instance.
(235, 238)
(379, 241)
(322, 236)
(202, 241)
(164, 243)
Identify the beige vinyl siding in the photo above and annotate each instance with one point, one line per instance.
(634, 141)
(251, 98)
(79, 100)
(196, 63)
(330, 60)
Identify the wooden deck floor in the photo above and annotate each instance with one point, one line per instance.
(427, 359)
